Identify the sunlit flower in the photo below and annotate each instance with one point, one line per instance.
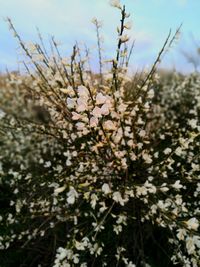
(167, 151)
(147, 158)
(2, 114)
(106, 188)
(192, 223)
(97, 112)
(100, 99)
(181, 233)
(142, 133)
(81, 105)
(109, 125)
(80, 126)
(59, 190)
(71, 103)
(177, 185)
(72, 195)
(124, 38)
(150, 93)
(83, 91)
(105, 109)
(190, 245)
(128, 25)
(76, 116)
(93, 121)
(115, 3)
(117, 197)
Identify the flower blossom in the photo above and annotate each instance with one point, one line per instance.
(100, 99)
(105, 109)
(124, 38)
(71, 103)
(72, 195)
(117, 197)
(59, 190)
(97, 112)
(83, 91)
(76, 116)
(81, 104)
(93, 121)
(106, 188)
(192, 224)
(109, 125)
(115, 3)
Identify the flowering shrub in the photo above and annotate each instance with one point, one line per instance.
(93, 174)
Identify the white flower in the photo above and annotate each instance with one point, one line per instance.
(93, 201)
(117, 229)
(62, 253)
(68, 162)
(147, 158)
(83, 91)
(82, 104)
(150, 94)
(124, 38)
(142, 133)
(75, 258)
(59, 190)
(124, 163)
(164, 189)
(93, 121)
(167, 151)
(190, 245)
(177, 185)
(74, 153)
(103, 208)
(100, 99)
(122, 107)
(71, 195)
(109, 125)
(128, 25)
(96, 112)
(71, 103)
(115, 3)
(133, 156)
(79, 245)
(118, 198)
(76, 116)
(106, 188)
(96, 22)
(178, 151)
(196, 240)
(130, 143)
(141, 190)
(192, 224)
(193, 123)
(31, 47)
(80, 126)
(2, 114)
(105, 109)
(47, 164)
(69, 90)
(181, 234)
(64, 90)
(117, 137)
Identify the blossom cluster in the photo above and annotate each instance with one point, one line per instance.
(89, 171)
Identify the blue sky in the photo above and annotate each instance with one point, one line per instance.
(70, 21)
